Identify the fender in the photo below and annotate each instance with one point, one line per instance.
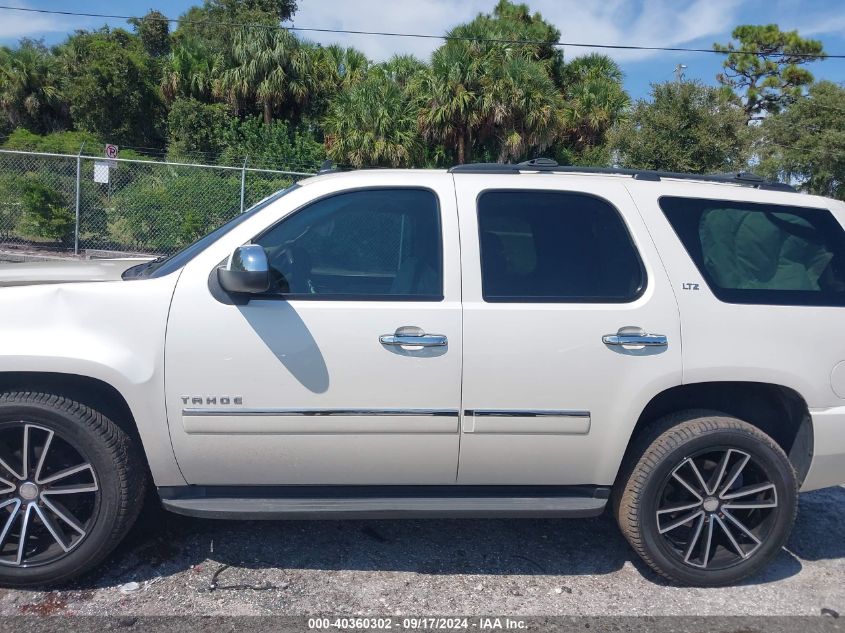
(112, 331)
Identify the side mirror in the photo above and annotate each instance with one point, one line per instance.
(247, 271)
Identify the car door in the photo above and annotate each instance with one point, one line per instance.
(348, 370)
(570, 327)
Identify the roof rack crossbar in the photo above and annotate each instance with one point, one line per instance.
(550, 166)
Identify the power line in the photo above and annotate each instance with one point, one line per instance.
(807, 150)
(624, 47)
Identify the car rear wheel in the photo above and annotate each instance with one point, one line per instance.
(71, 485)
(709, 499)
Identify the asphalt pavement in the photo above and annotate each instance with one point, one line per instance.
(172, 565)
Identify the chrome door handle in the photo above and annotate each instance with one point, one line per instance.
(635, 337)
(412, 336)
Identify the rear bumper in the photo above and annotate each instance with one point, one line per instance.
(828, 466)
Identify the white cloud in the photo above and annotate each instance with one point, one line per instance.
(17, 24)
(403, 16)
(645, 23)
(828, 25)
(627, 22)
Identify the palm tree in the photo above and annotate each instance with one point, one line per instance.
(484, 94)
(30, 92)
(450, 89)
(490, 96)
(339, 66)
(373, 123)
(190, 71)
(271, 68)
(595, 99)
(403, 68)
(521, 106)
(329, 70)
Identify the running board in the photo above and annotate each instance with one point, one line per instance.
(385, 502)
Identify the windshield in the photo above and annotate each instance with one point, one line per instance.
(165, 265)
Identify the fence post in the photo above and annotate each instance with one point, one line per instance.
(243, 184)
(78, 184)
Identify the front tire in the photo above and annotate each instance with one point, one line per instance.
(71, 485)
(707, 500)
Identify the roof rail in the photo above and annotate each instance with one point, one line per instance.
(327, 167)
(550, 166)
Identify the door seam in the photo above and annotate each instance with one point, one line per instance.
(463, 339)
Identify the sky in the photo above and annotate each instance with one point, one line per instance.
(687, 23)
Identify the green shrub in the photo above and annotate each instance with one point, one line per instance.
(6, 126)
(11, 207)
(62, 143)
(167, 211)
(56, 143)
(196, 128)
(45, 213)
(260, 185)
(279, 145)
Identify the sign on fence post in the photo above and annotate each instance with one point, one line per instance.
(111, 154)
(101, 171)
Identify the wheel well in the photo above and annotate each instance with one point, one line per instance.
(89, 391)
(778, 411)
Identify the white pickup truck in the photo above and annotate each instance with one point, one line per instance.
(491, 340)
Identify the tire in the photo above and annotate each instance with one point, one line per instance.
(78, 492)
(746, 481)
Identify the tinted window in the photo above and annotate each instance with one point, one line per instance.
(759, 253)
(365, 244)
(555, 247)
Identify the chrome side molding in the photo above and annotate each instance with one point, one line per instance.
(452, 413)
(526, 422)
(528, 413)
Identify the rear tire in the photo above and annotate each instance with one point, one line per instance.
(72, 484)
(706, 499)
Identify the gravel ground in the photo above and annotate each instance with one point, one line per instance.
(414, 567)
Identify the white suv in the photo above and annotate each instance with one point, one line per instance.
(492, 340)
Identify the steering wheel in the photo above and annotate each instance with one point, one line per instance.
(291, 265)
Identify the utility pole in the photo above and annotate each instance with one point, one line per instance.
(679, 72)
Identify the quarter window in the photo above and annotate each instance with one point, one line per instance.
(551, 246)
(762, 253)
(368, 244)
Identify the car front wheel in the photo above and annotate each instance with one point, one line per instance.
(71, 484)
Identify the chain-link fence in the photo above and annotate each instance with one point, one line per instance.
(78, 204)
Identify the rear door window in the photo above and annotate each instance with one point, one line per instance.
(555, 247)
(763, 253)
